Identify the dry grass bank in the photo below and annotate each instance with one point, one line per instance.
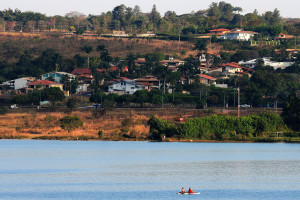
(117, 124)
(69, 46)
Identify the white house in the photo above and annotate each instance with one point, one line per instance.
(57, 76)
(239, 35)
(19, 83)
(125, 86)
(267, 61)
(231, 68)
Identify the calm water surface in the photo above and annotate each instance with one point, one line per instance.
(90, 170)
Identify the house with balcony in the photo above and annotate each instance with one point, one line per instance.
(149, 80)
(124, 85)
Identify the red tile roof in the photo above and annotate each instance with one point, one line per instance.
(221, 29)
(206, 77)
(44, 82)
(232, 64)
(79, 71)
(113, 68)
(250, 32)
(124, 78)
(101, 70)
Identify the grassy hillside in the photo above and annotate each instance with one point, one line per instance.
(13, 44)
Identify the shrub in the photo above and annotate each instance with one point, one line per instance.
(70, 123)
(3, 111)
(97, 113)
(127, 122)
(160, 127)
(72, 103)
(100, 134)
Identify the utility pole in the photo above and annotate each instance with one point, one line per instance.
(233, 98)
(206, 97)
(162, 100)
(238, 101)
(224, 99)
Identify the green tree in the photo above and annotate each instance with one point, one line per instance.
(53, 94)
(72, 103)
(291, 112)
(141, 96)
(70, 123)
(159, 127)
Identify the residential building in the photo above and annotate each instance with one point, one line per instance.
(207, 58)
(57, 76)
(284, 36)
(220, 31)
(42, 84)
(231, 68)
(125, 86)
(172, 62)
(239, 35)
(207, 80)
(148, 34)
(149, 80)
(140, 61)
(82, 87)
(113, 69)
(19, 83)
(267, 62)
(82, 72)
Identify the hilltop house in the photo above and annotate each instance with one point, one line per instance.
(239, 35)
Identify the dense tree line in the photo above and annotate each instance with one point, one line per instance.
(133, 20)
(219, 127)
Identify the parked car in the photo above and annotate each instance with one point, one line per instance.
(97, 105)
(13, 106)
(245, 106)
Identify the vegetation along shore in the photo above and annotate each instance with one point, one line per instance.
(218, 74)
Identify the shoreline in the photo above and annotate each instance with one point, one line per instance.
(267, 140)
(116, 125)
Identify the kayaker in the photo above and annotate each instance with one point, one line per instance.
(182, 190)
(190, 190)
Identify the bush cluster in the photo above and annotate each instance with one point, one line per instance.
(223, 127)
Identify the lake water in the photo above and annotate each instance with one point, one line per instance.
(94, 170)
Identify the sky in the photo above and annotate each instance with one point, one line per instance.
(287, 8)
